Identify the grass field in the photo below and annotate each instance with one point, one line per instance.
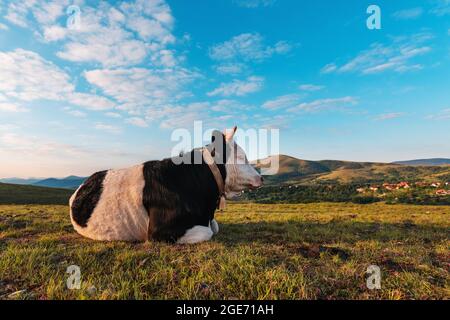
(24, 194)
(310, 251)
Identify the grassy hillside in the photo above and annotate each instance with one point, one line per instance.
(23, 194)
(314, 251)
(294, 170)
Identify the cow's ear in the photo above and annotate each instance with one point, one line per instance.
(218, 143)
(229, 133)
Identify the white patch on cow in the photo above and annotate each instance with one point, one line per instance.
(120, 213)
(214, 226)
(241, 175)
(196, 234)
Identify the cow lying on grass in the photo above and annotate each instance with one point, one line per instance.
(172, 200)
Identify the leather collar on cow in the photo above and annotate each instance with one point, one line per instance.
(217, 176)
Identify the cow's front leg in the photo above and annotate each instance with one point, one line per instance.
(196, 234)
(214, 226)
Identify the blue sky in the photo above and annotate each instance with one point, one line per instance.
(109, 90)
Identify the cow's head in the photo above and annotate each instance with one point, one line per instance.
(241, 175)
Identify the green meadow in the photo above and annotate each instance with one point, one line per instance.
(278, 251)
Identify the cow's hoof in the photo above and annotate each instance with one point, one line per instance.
(196, 235)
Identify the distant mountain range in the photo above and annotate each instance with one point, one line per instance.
(20, 180)
(293, 170)
(71, 182)
(425, 162)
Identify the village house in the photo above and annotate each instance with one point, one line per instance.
(398, 186)
(436, 184)
(404, 185)
(389, 186)
(443, 192)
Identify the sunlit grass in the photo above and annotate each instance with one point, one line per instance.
(305, 251)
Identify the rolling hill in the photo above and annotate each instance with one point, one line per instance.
(315, 176)
(20, 180)
(293, 170)
(23, 194)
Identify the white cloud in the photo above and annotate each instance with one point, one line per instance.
(45, 12)
(54, 33)
(230, 68)
(75, 113)
(150, 29)
(443, 115)
(113, 36)
(138, 122)
(3, 27)
(102, 49)
(278, 121)
(113, 115)
(389, 116)
(329, 68)
(292, 103)
(283, 102)
(30, 145)
(247, 47)
(11, 107)
(8, 127)
(26, 76)
(157, 10)
(282, 47)
(324, 104)
(230, 107)
(108, 128)
(310, 87)
(139, 89)
(91, 101)
(238, 87)
(213, 114)
(408, 14)
(441, 7)
(254, 3)
(183, 116)
(17, 12)
(397, 57)
(107, 36)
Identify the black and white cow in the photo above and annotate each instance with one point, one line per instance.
(162, 200)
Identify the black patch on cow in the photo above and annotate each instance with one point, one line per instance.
(87, 198)
(178, 196)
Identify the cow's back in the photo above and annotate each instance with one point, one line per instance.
(109, 206)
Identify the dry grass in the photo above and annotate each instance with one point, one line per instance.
(311, 251)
